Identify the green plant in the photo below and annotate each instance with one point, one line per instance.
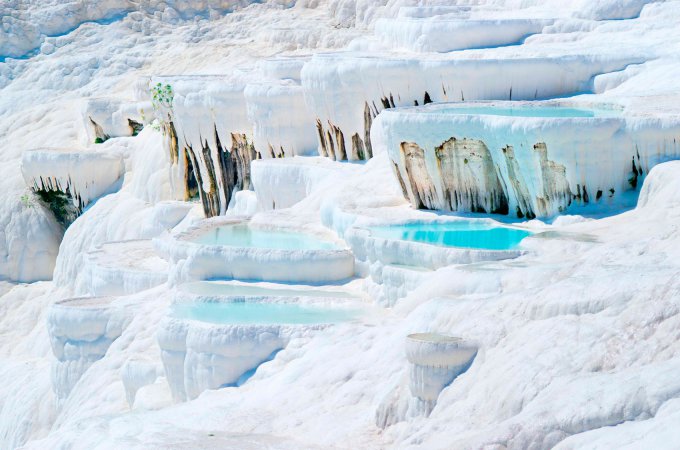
(27, 201)
(99, 140)
(162, 96)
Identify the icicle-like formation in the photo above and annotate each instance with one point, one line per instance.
(67, 180)
(346, 91)
(524, 204)
(529, 159)
(556, 194)
(423, 193)
(469, 177)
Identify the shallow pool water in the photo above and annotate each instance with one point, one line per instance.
(244, 236)
(261, 313)
(220, 289)
(531, 111)
(454, 234)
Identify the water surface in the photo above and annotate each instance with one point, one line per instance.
(250, 313)
(220, 289)
(454, 234)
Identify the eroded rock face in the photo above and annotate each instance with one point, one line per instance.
(402, 184)
(332, 139)
(212, 196)
(423, 192)
(524, 207)
(556, 196)
(229, 173)
(243, 153)
(369, 115)
(469, 177)
(323, 146)
(470, 180)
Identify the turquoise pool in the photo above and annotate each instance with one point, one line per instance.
(454, 234)
(254, 313)
(221, 289)
(530, 111)
(241, 235)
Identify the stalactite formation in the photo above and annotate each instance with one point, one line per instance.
(400, 179)
(423, 191)
(471, 181)
(190, 184)
(213, 193)
(199, 180)
(469, 177)
(556, 194)
(64, 202)
(524, 206)
(368, 122)
(170, 134)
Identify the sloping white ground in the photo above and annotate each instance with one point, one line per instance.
(578, 338)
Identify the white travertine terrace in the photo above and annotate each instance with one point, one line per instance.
(578, 334)
(135, 374)
(194, 261)
(282, 124)
(436, 360)
(81, 331)
(84, 174)
(105, 118)
(199, 356)
(283, 182)
(372, 250)
(346, 91)
(447, 34)
(447, 159)
(230, 291)
(122, 268)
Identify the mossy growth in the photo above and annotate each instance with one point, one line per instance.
(60, 203)
(135, 127)
(635, 173)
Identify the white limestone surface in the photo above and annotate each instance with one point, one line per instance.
(348, 90)
(105, 118)
(446, 35)
(282, 182)
(282, 125)
(122, 268)
(81, 331)
(199, 356)
(578, 337)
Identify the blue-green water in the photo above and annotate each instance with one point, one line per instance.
(261, 313)
(221, 289)
(454, 234)
(245, 236)
(530, 111)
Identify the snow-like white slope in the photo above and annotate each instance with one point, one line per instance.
(577, 336)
